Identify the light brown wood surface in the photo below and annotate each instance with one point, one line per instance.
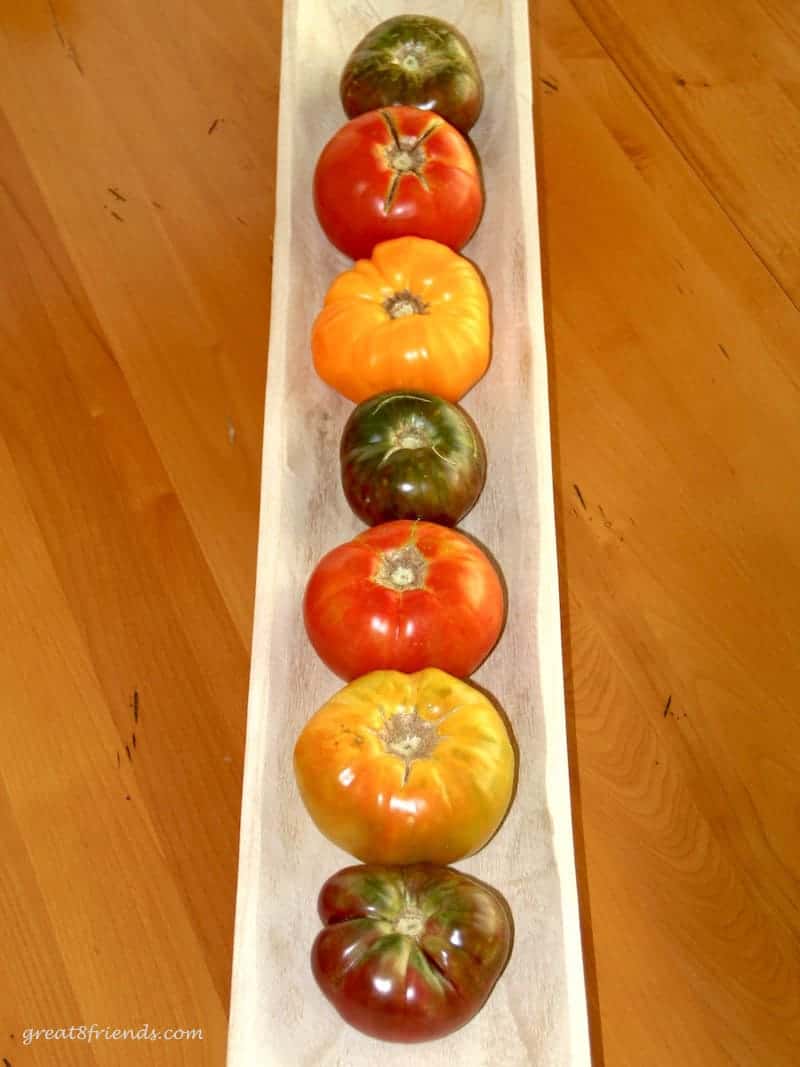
(137, 147)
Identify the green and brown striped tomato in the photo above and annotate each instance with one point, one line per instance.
(411, 455)
(409, 953)
(415, 60)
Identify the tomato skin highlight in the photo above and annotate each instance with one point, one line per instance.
(406, 768)
(415, 316)
(409, 953)
(403, 596)
(395, 172)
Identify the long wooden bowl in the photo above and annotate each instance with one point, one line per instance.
(537, 1013)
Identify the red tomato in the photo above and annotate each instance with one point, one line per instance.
(404, 596)
(397, 172)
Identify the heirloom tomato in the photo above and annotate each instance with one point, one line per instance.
(409, 953)
(414, 316)
(402, 596)
(395, 172)
(407, 455)
(406, 768)
(417, 60)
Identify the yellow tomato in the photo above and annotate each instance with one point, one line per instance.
(414, 316)
(406, 768)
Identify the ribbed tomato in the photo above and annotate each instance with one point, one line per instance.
(406, 768)
(402, 596)
(414, 316)
(409, 953)
(395, 172)
(411, 455)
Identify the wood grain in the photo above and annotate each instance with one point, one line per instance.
(681, 568)
(132, 366)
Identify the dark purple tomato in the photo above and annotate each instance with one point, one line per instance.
(419, 61)
(409, 953)
(411, 455)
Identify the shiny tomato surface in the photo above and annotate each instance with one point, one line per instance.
(409, 953)
(397, 172)
(402, 596)
(411, 455)
(406, 768)
(413, 316)
(417, 60)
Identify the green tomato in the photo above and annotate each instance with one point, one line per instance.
(419, 61)
(411, 455)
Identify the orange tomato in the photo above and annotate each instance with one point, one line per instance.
(414, 316)
(406, 768)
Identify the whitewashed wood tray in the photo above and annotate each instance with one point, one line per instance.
(537, 1013)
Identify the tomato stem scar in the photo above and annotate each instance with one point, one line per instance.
(426, 133)
(411, 921)
(410, 737)
(405, 155)
(387, 118)
(401, 569)
(403, 303)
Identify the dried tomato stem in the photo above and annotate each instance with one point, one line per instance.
(402, 569)
(409, 736)
(403, 303)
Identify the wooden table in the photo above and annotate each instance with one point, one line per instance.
(137, 152)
